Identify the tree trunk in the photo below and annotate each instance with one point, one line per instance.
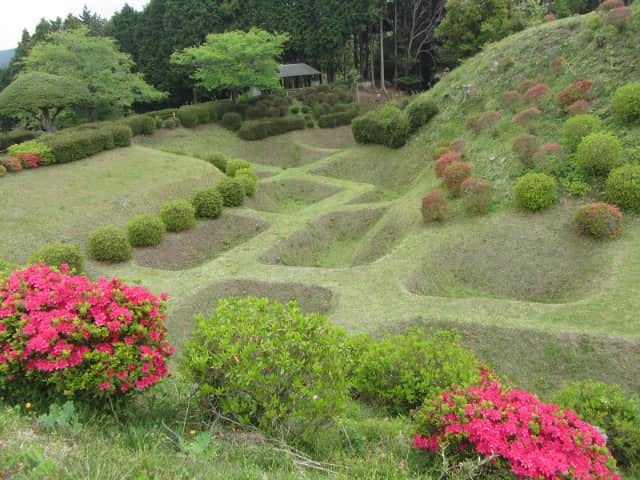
(382, 53)
(395, 43)
(373, 80)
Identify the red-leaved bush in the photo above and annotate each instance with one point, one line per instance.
(11, 164)
(600, 220)
(619, 17)
(444, 161)
(525, 85)
(458, 145)
(574, 92)
(434, 206)
(524, 147)
(528, 117)
(29, 160)
(544, 156)
(71, 336)
(454, 175)
(537, 92)
(512, 98)
(482, 121)
(520, 434)
(476, 193)
(577, 108)
(608, 5)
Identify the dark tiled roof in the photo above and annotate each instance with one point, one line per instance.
(297, 70)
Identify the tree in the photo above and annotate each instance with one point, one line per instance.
(42, 97)
(235, 61)
(96, 62)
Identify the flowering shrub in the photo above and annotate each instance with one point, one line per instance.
(556, 65)
(608, 5)
(525, 85)
(458, 145)
(56, 254)
(535, 191)
(444, 161)
(625, 104)
(622, 187)
(12, 164)
(527, 118)
(443, 146)
(537, 92)
(434, 206)
(524, 147)
(521, 435)
(599, 219)
(542, 158)
(476, 193)
(619, 17)
(549, 17)
(577, 108)
(29, 160)
(454, 175)
(3, 170)
(512, 99)
(478, 121)
(33, 147)
(71, 336)
(574, 92)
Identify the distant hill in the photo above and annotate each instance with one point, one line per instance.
(5, 57)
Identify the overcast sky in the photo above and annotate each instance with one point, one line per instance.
(16, 15)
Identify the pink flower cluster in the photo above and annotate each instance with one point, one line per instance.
(537, 92)
(599, 219)
(537, 440)
(24, 160)
(77, 335)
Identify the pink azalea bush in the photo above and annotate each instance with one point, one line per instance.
(525, 85)
(522, 436)
(512, 99)
(29, 160)
(454, 175)
(524, 147)
(574, 92)
(600, 220)
(67, 335)
(476, 193)
(478, 121)
(619, 17)
(434, 206)
(537, 92)
(528, 117)
(444, 161)
(543, 158)
(11, 164)
(580, 107)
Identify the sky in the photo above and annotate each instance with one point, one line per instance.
(16, 15)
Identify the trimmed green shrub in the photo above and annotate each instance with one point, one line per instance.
(259, 129)
(476, 193)
(268, 365)
(599, 152)
(121, 134)
(332, 120)
(578, 127)
(33, 146)
(3, 170)
(535, 191)
(249, 178)
(600, 220)
(434, 206)
(145, 230)
(75, 144)
(218, 159)
(56, 254)
(235, 165)
(622, 187)
(6, 269)
(170, 123)
(625, 104)
(454, 175)
(140, 124)
(420, 111)
(109, 244)
(614, 411)
(193, 115)
(178, 215)
(232, 191)
(16, 136)
(207, 203)
(387, 125)
(232, 121)
(399, 372)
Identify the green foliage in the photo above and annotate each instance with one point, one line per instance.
(625, 104)
(232, 191)
(535, 191)
(56, 254)
(249, 178)
(614, 411)
(178, 215)
(109, 244)
(207, 203)
(16, 136)
(268, 365)
(140, 124)
(400, 372)
(145, 230)
(268, 127)
(170, 123)
(420, 111)
(566, 8)
(599, 152)
(33, 146)
(578, 127)
(76, 143)
(235, 165)
(232, 121)
(622, 187)
(218, 159)
(337, 119)
(63, 418)
(387, 125)
(235, 61)
(193, 115)
(42, 97)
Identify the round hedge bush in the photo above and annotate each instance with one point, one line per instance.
(600, 220)
(444, 161)
(109, 244)
(277, 369)
(599, 152)
(535, 191)
(56, 254)
(145, 230)
(578, 127)
(622, 187)
(232, 121)
(625, 104)
(524, 147)
(476, 193)
(434, 206)
(178, 215)
(219, 160)
(454, 175)
(207, 203)
(234, 165)
(249, 178)
(232, 191)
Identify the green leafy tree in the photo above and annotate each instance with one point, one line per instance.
(235, 61)
(42, 97)
(97, 63)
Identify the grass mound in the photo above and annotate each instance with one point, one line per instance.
(329, 241)
(205, 241)
(289, 195)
